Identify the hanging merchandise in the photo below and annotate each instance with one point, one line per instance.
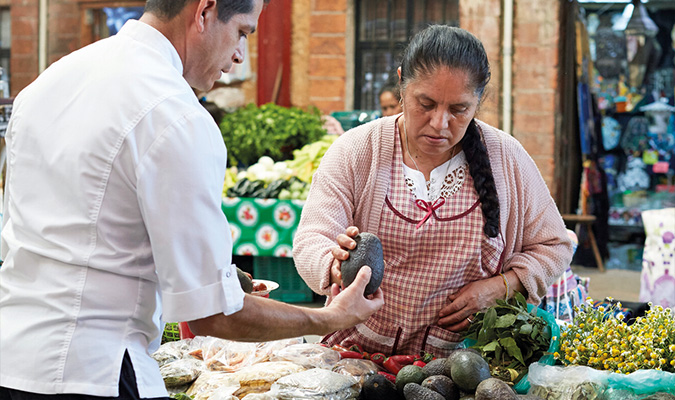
(635, 177)
(634, 138)
(611, 133)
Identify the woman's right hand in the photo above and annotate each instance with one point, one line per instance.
(340, 253)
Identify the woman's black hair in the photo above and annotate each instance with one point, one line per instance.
(440, 46)
(226, 8)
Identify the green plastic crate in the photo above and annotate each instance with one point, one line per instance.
(292, 289)
(171, 332)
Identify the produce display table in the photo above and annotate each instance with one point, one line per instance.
(264, 229)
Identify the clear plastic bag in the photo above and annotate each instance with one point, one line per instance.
(265, 350)
(232, 356)
(359, 369)
(181, 372)
(258, 378)
(210, 381)
(167, 353)
(316, 384)
(309, 355)
(581, 383)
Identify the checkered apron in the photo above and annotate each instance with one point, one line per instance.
(430, 252)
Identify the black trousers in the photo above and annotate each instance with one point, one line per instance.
(128, 389)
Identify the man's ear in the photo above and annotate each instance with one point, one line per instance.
(205, 9)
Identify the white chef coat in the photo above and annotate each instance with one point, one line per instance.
(114, 186)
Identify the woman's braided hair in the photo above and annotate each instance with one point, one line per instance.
(454, 48)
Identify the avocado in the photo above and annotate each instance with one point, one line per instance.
(368, 251)
(468, 369)
(493, 388)
(435, 367)
(449, 359)
(443, 385)
(407, 374)
(414, 391)
(244, 280)
(377, 387)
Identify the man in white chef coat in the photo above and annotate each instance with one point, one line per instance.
(113, 195)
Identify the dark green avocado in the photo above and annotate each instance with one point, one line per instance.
(368, 251)
(245, 282)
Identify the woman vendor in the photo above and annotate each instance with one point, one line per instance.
(462, 211)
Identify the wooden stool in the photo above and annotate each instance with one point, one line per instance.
(587, 220)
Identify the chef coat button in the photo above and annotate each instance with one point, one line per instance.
(228, 274)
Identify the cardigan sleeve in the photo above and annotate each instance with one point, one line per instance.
(542, 249)
(328, 211)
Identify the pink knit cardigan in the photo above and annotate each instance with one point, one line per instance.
(350, 185)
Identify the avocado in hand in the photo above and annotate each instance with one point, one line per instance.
(245, 281)
(368, 251)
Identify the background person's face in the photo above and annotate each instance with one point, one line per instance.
(389, 104)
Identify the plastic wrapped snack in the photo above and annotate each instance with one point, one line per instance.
(181, 372)
(210, 381)
(260, 396)
(232, 356)
(316, 384)
(265, 350)
(167, 353)
(359, 369)
(258, 378)
(309, 355)
(204, 348)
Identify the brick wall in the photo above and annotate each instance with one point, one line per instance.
(483, 19)
(24, 49)
(327, 54)
(535, 81)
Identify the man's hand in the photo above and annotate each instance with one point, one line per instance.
(349, 305)
(340, 253)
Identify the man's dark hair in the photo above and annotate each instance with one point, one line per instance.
(226, 8)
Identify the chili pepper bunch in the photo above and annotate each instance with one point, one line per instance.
(391, 364)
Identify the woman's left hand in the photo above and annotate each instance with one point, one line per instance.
(456, 316)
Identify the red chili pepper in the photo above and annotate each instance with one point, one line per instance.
(387, 375)
(403, 360)
(355, 347)
(339, 348)
(391, 365)
(350, 354)
(366, 355)
(378, 358)
(419, 363)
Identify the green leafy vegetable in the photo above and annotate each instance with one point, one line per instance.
(269, 130)
(509, 337)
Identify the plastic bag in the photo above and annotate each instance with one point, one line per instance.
(209, 381)
(181, 372)
(309, 355)
(359, 369)
(167, 353)
(316, 384)
(258, 378)
(232, 356)
(265, 350)
(580, 383)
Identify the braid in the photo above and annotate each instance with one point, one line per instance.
(483, 181)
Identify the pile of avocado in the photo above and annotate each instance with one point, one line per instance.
(461, 376)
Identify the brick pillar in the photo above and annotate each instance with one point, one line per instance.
(63, 28)
(535, 81)
(24, 47)
(483, 19)
(327, 55)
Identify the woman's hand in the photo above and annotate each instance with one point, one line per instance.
(340, 253)
(456, 316)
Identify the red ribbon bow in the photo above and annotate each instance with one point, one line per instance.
(429, 208)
